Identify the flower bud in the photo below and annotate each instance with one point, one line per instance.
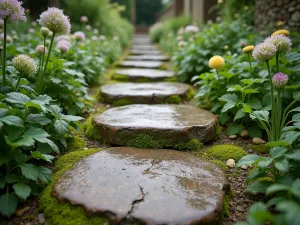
(216, 62)
(248, 49)
(45, 31)
(41, 49)
(24, 64)
(279, 80)
(284, 32)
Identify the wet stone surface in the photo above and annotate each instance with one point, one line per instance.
(151, 74)
(143, 93)
(148, 57)
(145, 52)
(150, 186)
(141, 64)
(144, 47)
(173, 123)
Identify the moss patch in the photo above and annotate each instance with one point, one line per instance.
(122, 102)
(63, 213)
(218, 131)
(260, 148)
(120, 77)
(221, 164)
(91, 131)
(76, 144)
(174, 99)
(225, 152)
(146, 141)
(171, 79)
(190, 94)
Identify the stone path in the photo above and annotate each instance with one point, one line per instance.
(148, 184)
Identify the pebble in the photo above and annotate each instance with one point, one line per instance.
(244, 134)
(20, 212)
(244, 167)
(230, 163)
(41, 218)
(233, 136)
(258, 141)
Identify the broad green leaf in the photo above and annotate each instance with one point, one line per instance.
(38, 155)
(282, 165)
(277, 152)
(295, 155)
(37, 134)
(32, 104)
(247, 108)
(44, 148)
(22, 190)
(258, 187)
(235, 128)
(265, 162)
(30, 171)
(261, 115)
(254, 131)
(276, 188)
(8, 204)
(229, 98)
(295, 189)
(61, 127)
(227, 106)
(3, 112)
(291, 211)
(38, 118)
(11, 178)
(12, 121)
(290, 136)
(254, 103)
(250, 91)
(223, 118)
(44, 174)
(17, 98)
(247, 160)
(2, 182)
(239, 114)
(55, 110)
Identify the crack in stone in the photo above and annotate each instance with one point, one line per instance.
(126, 219)
(148, 169)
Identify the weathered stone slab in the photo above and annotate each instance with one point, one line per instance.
(144, 186)
(145, 52)
(141, 64)
(136, 74)
(141, 40)
(144, 47)
(167, 124)
(144, 93)
(148, 57)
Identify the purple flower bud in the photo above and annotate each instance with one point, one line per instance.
(279, 80)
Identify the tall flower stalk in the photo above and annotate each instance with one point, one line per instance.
(217, 62)
(248, 50)
(4, 53)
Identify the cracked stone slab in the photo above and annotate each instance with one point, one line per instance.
(155, 186)
(143, 93)
(141, 64)
(145, 52)
(135, 74)
(148, 57)
(174, 123)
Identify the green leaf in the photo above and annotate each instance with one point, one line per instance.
(11, 178)
(22, 190)
(61, 127)
(8, 204)
(282, 166)
(261, 115)
(276, 188)
(12, 121)
(254, 103)
(3, 112)
(295, 189)
(227, 106)
(223, 118)
(291, 211)
(254, 131)
(44, 174)
(277, 152)
(17, 98)
(33, 104)
(277, 143)
(2, 182)
(247, 160)
(295, 155)
(229, 98)
(30, 171)
(290, 137)
(247, 108)
(38, 155)
(258, 187)
(265, 162)
(38, 118)
(55, 110)
(235, 128)
(239, 114)
(37, 134)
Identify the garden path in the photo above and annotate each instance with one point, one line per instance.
(148, 184)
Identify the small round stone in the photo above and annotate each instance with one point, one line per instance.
(143, 93)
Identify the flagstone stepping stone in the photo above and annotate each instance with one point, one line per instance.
(141, 41)
(144, 47)
(148, 57)
(144, 186)
(136, 74)
(145, 93)
(144, 52)
(141, 64)
(160, 126)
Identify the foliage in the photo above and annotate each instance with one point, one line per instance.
(146, 11)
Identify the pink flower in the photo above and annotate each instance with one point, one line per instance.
(79, 36)
(264, 52)
(279, 80)
(63, 47)
(84, 19)
(12, 10)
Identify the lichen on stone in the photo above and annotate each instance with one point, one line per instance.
(225, 152)
(63, 213)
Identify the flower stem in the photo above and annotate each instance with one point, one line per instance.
(249, 59)
(273, 113)
(20, 76)
(277, 62)
(219, 79)
(279, 113)
(4, 52)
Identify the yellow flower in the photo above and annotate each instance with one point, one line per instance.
(248, 49)
(216, 62)
(284, 32)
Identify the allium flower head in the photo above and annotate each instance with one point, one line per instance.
(102, 37)
(41, 49)
(63, 47)
(181, 43)
(55, 20)
(216, 62)
(45, 31)
(279, 80)
(282, 42)
(84, 19)
(96, 31)
(94, 38)
(284, 32)
(191, 29)
(248, 49)
(79, 36)
(88, 27)
(24, 64)
(12, 10)
(65, 42)
(264, 52)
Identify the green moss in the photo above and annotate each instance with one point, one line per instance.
(218, 132)
(143, 80)
(63, 213)
(122, 102)
(76, 144)
(225, 152)
(221, 164)
(190, 94)
(91, 131)
(226, 207)
(99, 96)
(174, 99)
(146, 141)
(120, 77)
(260, 148)
(171, 79)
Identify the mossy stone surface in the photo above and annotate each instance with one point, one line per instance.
(90, 130)
(62, 213)
(76, 143)
(260, 148)
(225, 152)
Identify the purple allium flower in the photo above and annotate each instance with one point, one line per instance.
(12, 10)
(63, 37)
(282, 42)
(24, 64)
(55, 20)
(191, 29)
(63, 47)
(64, 42)
(84, 19)
(79, 36)
(279, 80)
(264, 52)
(41, 49)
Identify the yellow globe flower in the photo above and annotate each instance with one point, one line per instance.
(216, 62)
(248, 49)
(284, 32)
